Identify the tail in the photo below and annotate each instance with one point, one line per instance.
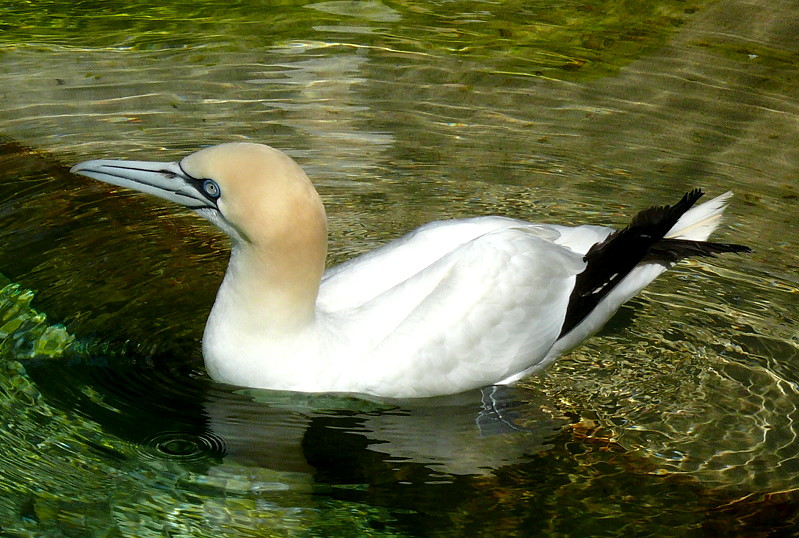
(659, 235)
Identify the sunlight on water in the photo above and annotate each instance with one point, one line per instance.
(680, 416)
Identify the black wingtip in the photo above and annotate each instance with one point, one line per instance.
(673, 250)
(665, 217)
(609, 261)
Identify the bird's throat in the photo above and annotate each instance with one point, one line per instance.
(268, 293)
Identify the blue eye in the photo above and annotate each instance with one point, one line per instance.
(211, 188)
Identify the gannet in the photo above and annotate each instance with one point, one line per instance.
(452, 306)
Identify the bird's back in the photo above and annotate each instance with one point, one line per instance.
(455, 305)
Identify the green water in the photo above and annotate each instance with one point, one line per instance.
(678, 419)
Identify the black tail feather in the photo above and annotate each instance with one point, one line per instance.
(660, 219)
(609, 261)
(673, 250)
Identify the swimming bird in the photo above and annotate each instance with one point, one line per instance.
(453, 305)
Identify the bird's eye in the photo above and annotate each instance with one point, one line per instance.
(211, 188)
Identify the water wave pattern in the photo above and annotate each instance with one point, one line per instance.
(679, 417)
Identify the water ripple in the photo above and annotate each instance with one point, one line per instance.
(183, 447)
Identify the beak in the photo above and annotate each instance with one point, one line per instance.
(165, 180)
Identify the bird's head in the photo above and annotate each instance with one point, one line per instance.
(253, 192)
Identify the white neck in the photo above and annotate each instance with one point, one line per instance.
(264, 307)
(268, 293)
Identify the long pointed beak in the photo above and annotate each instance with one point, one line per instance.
(165, 180)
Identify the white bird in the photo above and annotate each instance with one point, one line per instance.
(454, 305)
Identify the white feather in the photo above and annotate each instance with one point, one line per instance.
(700, 221)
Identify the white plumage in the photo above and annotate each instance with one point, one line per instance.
(451, 306)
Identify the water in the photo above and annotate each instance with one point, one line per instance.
(679, 418)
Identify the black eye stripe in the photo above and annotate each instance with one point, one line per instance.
(207, 187)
